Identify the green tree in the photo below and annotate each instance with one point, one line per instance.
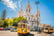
(18, 19)
(5, 24)
(1, 23)
(8, 22)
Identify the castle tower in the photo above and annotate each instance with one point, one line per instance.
(38, 19)
(28, 9)
(38, 15)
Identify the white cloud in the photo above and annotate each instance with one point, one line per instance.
(19, 2)
(10, 3)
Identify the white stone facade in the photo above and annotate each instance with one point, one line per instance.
(31, 19)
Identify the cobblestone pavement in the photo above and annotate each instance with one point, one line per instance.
(8, 33)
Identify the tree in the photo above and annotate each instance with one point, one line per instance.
(18, 19)
(1, 23)
(5, 24)
(8, 22)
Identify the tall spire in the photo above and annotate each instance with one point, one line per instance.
(28, 7)
(20, 13)
(21, 8)
(37, 13)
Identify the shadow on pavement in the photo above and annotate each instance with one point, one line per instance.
(30, 34)
(25, 34)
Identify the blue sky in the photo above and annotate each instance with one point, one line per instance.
(46, 8)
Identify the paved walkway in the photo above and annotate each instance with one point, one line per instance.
(40, 34)
(8, 33)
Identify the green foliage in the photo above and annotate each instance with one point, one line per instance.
(5, 24)
(18, 19)
(1, 23)
(11, 22)
(14, 24)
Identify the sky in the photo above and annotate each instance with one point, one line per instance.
(46, 8)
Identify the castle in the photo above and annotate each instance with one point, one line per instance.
(33, 20)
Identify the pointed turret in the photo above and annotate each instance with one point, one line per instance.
(21, 13)
(28, 7)
(37, 13)
(38, 17)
